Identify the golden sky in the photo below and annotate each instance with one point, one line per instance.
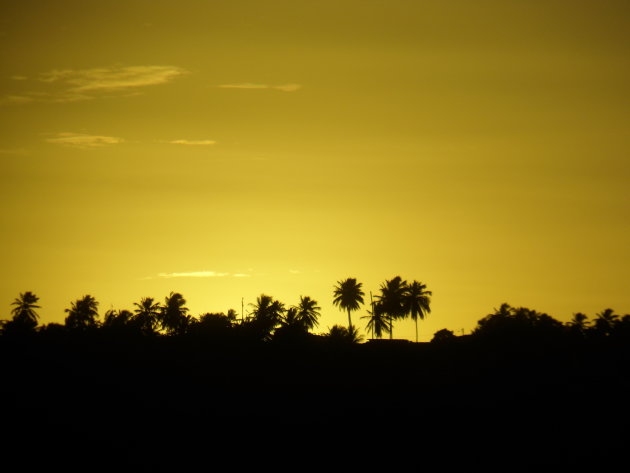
(225, 149)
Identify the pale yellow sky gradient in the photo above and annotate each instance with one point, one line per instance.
(277, 147)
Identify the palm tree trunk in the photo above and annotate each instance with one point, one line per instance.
(416, 320)
(349, 321)
(391, 327)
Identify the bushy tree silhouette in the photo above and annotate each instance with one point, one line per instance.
(82, 314)
(266, 315)
(213, 326)
(510, 326)
(443, 336)
(117, 319)
(338, 334)
(174, 318)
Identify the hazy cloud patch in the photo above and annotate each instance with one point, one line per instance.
(82, 140)
(287, 87)
(244, 86)
(71, 85)
(247, 85)
(113, 78)
(193, 142)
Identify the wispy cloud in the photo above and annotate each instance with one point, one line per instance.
(244, 86)
(202, 274)
(112, 78)
(295, 271)
(193, 142)
(82, 140)
(287, 87)
(248, 85)
(71, 85)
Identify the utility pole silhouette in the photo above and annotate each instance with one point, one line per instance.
(372, 304)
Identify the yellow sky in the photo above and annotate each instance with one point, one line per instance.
(248, 147)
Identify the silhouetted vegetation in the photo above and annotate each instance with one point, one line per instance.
(160, 369)
(348, 296)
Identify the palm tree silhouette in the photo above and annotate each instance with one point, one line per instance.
(266, 314)
(24, 311)
(606, 321)
(579, 320)
(147, 314)
(173, 315)
(308, 312)
(377, 321)
(391, 300)
(82, 313)
(117, 318)
(416, 302)
(579, 323)
(348, 296)
(291, 319)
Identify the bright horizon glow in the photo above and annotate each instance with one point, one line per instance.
(226, 150)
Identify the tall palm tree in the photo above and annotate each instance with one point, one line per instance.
(24, 311)
(173, 315)
(378, 322)
(417, 302)
(391, 300)
(308, 312)
(348, 296)
(82, 313)
(147, 314)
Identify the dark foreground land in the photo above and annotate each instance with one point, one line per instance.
(95, 403)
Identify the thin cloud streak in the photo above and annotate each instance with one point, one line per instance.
(85, 141)
(243, 86)
(250, 86)
(193, 142)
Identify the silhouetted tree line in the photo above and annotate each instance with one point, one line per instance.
(270, 319)
(165, 373)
